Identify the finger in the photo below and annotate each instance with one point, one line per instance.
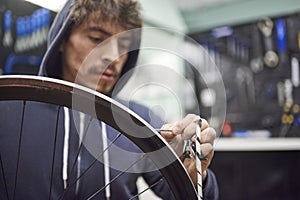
(190, 129)
(186, 124)
(204, 124)
(206, 150)
(167, 135)
(208, 136)
(182, 124)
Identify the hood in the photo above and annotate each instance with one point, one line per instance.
(51, 63)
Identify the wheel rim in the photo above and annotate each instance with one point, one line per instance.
(58, 92)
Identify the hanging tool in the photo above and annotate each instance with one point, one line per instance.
(46, 22)
(281, 35)
(281, 41)
(7, 39)
(19, 35)
(266, 26)
(295, 75)
(256, 63)
(293, 33)
(246, 87)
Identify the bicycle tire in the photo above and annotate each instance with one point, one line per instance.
(59, 92)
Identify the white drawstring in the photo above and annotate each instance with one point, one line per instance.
(66, 151)
(66, 147)
(106, 161)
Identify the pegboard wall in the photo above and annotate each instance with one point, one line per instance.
(259, 63)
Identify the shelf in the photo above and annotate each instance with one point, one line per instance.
(257, 144)
(237, 12)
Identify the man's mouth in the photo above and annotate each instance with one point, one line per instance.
(107, 74)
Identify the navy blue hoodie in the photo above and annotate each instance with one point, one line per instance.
(40, 149)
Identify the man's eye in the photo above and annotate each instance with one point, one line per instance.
(123, 48)
(96, 39)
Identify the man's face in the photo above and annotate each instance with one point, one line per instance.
(92, 56)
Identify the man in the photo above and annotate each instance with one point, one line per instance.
(88, 46)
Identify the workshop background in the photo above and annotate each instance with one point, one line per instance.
(255, 45)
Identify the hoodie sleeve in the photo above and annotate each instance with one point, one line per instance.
(210, 187)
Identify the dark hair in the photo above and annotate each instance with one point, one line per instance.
(125, 13)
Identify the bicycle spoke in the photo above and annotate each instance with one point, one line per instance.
(3, 174)
(94, 161)
(19, 148)
(116, 177)
(54, 147)
(150, 187)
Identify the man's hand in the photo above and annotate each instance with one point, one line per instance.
(186, 129)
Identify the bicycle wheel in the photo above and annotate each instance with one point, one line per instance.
(60, 93)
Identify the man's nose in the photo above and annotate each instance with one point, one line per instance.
(111, 50)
